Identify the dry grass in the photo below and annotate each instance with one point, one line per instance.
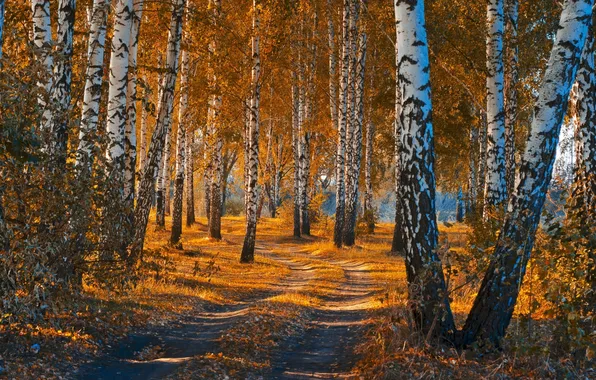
(208, 272)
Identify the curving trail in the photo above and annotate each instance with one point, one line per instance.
(192, 336)
(326, 350)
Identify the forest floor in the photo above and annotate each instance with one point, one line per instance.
(303, 309)
(299, 312)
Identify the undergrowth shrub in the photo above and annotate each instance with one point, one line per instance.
(55, 233)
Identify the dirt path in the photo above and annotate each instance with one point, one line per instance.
(327, 349)
(188, 337)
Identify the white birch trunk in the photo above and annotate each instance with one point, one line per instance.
(351, 121)
(368, 195)
(493, 308)
(163, 178)
(353, 167)
(397, 243)
(130, 132)
(472, 171)
(167, 170)
(93, 82)
(189, 176)
(308, 101)
(158, 138)
(417, 177)
(482, 145)
(248, 248)
(118, 76)
(60, 100)
(332, 67)
(340, 196)
(511, 91)
(42, 44)
(495, 192)
(180, 153)
(143, 135)
(216, 140)
(296, 152)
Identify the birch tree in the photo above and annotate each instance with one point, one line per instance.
(180, 153)
(495, 192)
(130, 132)
(368, 194)
(482, 156)
(61, 86)
(42, 44)
(154, 155)
(511, 90)
(353, 166)
(472, 171)
(248, 248)
(216, 139)
(352, 115)
(189, 176)
(144, 115)
(417, 179)
(167, 171)
(368, 207)
(308, 90)
(340, 195)
(296, 152)
(332, 66)
(397, 243)
(493, 307)
(93, 82)
(163, 178)
(208, 172)
(229, 160)
(118, 77)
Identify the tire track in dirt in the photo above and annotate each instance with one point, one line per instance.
(193, 335)
(327, 349)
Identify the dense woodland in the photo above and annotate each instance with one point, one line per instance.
(129, 128)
